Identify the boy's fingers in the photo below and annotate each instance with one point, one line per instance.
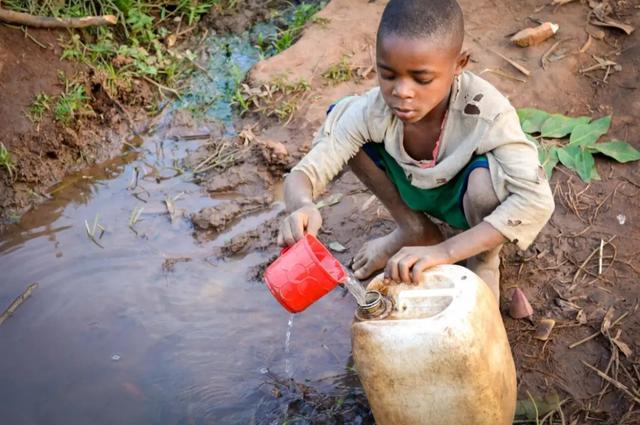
(404, 267)
(297, 227)
(418, 268)
(286, 233)
(315, 222)
(280, 238)
(391, 271)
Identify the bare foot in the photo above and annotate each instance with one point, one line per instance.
(374, 254)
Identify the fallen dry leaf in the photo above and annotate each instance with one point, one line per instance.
(581, 317)
(544, 328)
(606, 321)
(622, 346)
(612, 23)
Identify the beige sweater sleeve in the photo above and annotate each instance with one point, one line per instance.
(338, 140)
(519, 180)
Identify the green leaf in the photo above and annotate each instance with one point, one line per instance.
(567, 155)
(585, 164)
(594, 174)
(337, 247)
(618, 150)
(531, 119)
(532, 140)
(549, 160)
(558, 125)
(579, 160)
(330, 200)
(588, 134)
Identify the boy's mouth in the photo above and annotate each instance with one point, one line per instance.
(403, 113)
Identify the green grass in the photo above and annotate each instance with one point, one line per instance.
(279, 97)
(339, 72)
(5, 160)
(71, 103)
(292, 28)
(41, 104)
(135, 48)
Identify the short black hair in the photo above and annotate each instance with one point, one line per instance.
(435, 19)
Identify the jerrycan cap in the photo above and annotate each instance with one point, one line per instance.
(376, 307)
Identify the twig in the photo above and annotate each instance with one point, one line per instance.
(548, 415)
(590, 337)
(586, 45)
(600, 65)
(503, 74)
(52, 22)
(543, 59)
(584, 263)
(162, 87)
(580, 233)
(535, 407)
(619, 385)
(600, 259)
(32, 38)
(17, 302)
(513, 63)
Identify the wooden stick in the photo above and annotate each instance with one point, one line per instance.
(162, 87)
(503, 74)
(600, 259)
(584, 263)
(513, 63)
(617, 384)
(20, 18)
(17, 302)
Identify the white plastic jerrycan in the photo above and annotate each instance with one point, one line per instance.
(435, 353)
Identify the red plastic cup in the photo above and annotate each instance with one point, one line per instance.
(304, 273)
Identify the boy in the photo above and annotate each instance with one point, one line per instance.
(431, 139)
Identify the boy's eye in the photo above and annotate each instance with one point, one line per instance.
(386, 76)
(424, 82)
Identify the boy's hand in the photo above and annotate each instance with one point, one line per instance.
(306, 219)
(409, 263)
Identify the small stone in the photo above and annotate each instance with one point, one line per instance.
(520, 307)
(115, 357)
(621, 219)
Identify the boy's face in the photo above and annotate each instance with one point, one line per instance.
(415, 75)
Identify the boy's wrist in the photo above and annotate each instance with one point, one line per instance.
(449, 252)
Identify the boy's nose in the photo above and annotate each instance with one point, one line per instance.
(402, 90)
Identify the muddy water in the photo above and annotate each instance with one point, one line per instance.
(152, 328)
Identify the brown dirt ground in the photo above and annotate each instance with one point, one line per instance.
(44, 152)
(554, 273)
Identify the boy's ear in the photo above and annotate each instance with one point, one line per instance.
(463, 60)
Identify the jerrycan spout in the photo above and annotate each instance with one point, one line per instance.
(376, 307)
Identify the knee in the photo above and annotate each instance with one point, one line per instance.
(480, 199)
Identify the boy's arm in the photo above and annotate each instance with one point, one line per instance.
(526, 206)
(409, 263)
(303, 216)
(345, 130)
